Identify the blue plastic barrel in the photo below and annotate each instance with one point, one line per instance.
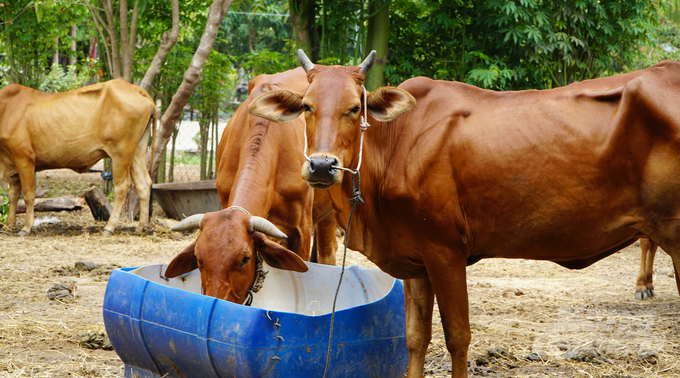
(164, 331)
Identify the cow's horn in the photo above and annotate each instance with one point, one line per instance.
(266, 227)
(367, 63)
(190, 223)
(304, 61)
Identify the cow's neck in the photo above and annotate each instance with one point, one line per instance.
(255, 171)
(372, 171)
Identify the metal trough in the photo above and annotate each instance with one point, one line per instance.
(164, 328)
(182, 199)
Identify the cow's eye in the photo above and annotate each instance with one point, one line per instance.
(354, 110)
(306, 108)
(244, 261)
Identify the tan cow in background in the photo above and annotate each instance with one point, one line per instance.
(75, 130)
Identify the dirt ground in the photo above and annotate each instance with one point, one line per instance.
(529, 318)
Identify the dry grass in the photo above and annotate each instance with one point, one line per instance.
(516, 305)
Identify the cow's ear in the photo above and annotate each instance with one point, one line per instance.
(185, 262)
(387, 103)
(277, 106)
(277, 256)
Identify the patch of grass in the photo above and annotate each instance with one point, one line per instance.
(4, 207)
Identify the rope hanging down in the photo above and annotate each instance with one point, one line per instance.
(356, 198)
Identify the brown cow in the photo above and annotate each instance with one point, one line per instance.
(75, 130)
(258, 177)
(569, 175)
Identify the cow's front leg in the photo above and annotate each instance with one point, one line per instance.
(326, 241)
(419, 300)
(27, 185)
(14, 193)
(450, 287)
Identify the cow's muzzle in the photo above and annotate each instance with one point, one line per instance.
(321, 171)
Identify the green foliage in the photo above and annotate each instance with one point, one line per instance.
(59, 81)
(268, 61)
(257, 34)
(29, 36)
(4, 209)
(663, 44)
(519, 44)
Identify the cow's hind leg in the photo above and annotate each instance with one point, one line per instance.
(645, 286)
(668, 238)
(419, 300)
(142, 180)
(121, 184)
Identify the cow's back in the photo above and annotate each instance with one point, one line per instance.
(245, 133)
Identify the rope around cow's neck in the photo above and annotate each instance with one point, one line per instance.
(258, 282)
(356, 198)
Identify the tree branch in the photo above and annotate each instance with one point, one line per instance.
(216, 13)
(168, 41)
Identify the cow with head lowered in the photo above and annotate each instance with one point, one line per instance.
(75, 130)
(262, 195)
(453, 174)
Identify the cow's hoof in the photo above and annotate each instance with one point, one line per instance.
(107, 233)
(22, 233)
(139, 230)
(642, 295)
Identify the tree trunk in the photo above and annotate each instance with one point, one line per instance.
(171, 171)
(216, 13)
(168, 41)
(128, 46)
(213, 144)
(74, 33)
(160, 176)
(302, 13)
(110, 27)
(378, 35)
(55, 57)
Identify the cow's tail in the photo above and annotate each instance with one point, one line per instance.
(154, 130)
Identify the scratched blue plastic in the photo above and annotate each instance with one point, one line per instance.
(164, 332)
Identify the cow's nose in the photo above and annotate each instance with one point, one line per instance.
(322, 168)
